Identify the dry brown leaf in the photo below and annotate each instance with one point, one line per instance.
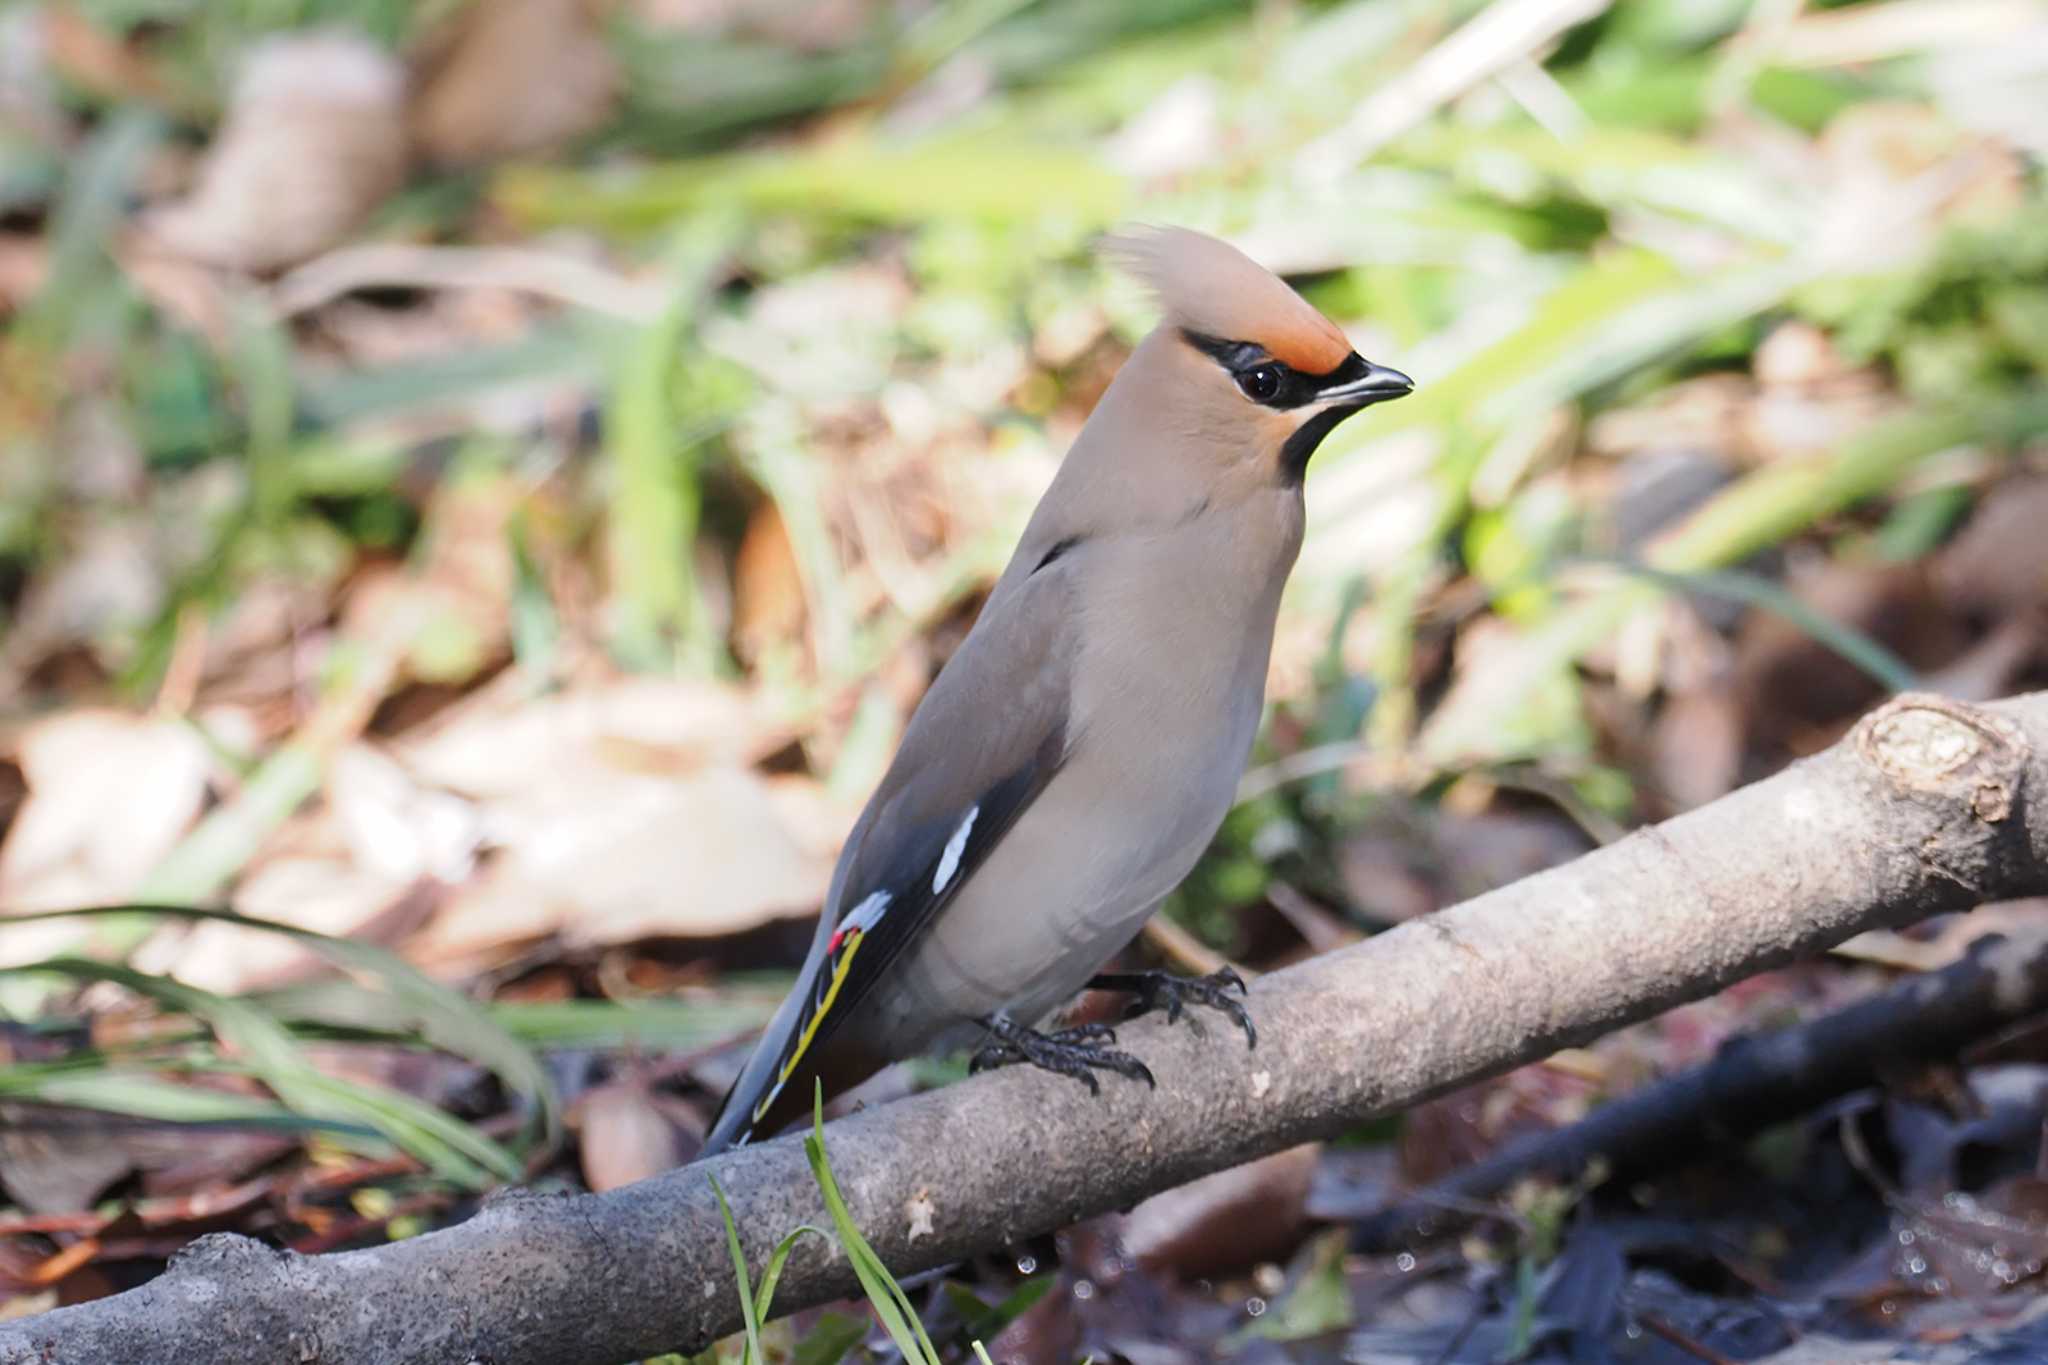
(339, 870)
(314, 140)
(109, 795)
(1999, 562)
(600, 857)
(461, 581)
(1226, 1221)
(326, 895)
(395, 828)
(1796, 692)
(24, 264)
(626, 1134)
(106, 586)
(514, 78)
(95, 60)
(52, 1162)
(1696, 747)
(502, 742)
(768, 587)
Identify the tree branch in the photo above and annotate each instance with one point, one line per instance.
(1924, 808)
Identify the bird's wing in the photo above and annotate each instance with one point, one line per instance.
(983, 744)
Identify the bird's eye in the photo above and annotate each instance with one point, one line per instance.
(1261, 383)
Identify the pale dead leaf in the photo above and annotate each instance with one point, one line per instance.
(395, 828)
(314, 140)
(109, 795)
(326, 895)
(106, 587)
(626, 1134)
(502, 742)
(24, 265)
(515, 78)
(1796, 355)
(1696, 746)
(460, 581)
(61, 1165)
(1998, 563)
(768, 587)
(93, 59)
(1227, 1220)
(598, 858)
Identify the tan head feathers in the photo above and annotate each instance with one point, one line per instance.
(1211, 287)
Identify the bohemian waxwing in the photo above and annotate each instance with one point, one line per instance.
(1077, 753)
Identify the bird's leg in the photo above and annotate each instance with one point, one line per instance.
(1076, 1052)
(1156, 990)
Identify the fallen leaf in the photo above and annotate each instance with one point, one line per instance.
(61, 1166)
(768, 587)
(326, 895)
(1998, 562)
(109, 795)
(313, 141)
(501, 742)
(625, 1133)
(608, 857)
(1226, 1221)
(514, 78)
(1696, 747)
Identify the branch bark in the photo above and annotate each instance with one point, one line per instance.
(1927, 806)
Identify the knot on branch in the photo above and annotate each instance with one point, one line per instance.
(227, 1253)
(1934, 745)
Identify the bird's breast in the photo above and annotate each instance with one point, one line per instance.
(1167, 690)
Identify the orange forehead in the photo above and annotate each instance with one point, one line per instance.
(1211, 287)
(1311, 344)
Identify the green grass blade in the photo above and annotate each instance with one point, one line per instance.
(647, 1025)
(748, 1311)
(443, 1144)
(892, 1306)
(660, 620)
(94, 199)
(139, 1094)
(443, 1017)
(764, 1297)
(260, 355)
(1887, 668)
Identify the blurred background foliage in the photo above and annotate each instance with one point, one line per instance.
(482, 486)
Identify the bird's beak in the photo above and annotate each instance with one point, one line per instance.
(1360, 383)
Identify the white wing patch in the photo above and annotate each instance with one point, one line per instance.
(864, 915)
(949, 861)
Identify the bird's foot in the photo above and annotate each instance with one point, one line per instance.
(1076, 1052)
(1164, 990)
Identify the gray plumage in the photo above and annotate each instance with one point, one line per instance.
(1077, 753)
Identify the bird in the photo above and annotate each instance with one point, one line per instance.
(1077, 753)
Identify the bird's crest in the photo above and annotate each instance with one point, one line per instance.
(1211, 287)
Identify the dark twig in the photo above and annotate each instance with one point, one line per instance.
(1756, 1080)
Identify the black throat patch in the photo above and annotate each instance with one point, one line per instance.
(1294, 455)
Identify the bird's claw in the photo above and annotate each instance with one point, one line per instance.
(1164, 990)
(1075, 1052)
